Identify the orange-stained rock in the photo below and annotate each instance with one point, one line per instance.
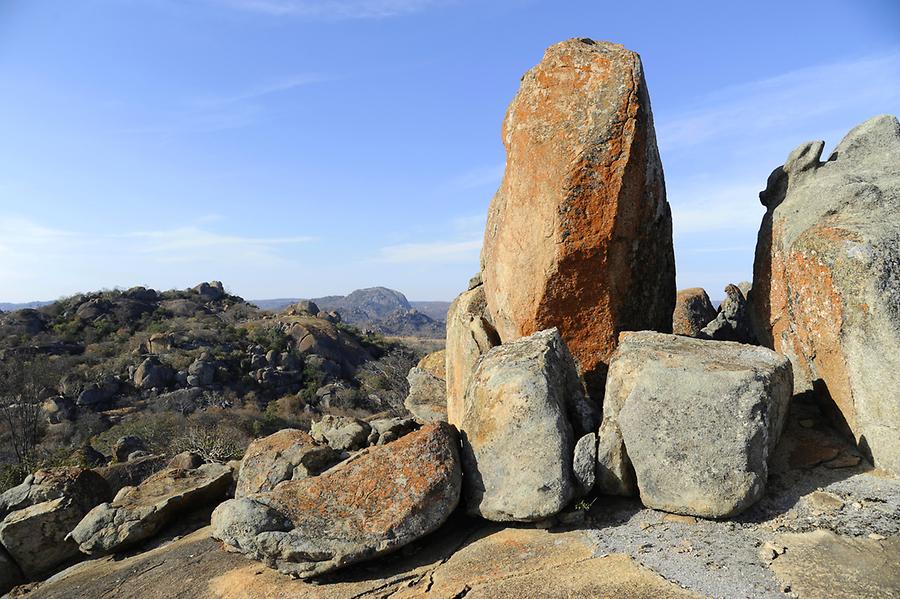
(826, 288)
(435, 364)
(376, 502)
(579, 235)
(284, 455)
(693, 311)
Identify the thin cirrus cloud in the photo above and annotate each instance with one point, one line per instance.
(334, 9)
(719, 152)
(430, 252)
(50, 262)
(789, 100)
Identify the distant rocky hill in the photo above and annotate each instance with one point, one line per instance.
(378, 309)
(9, 307)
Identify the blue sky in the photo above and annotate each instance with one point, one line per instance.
(302, 148)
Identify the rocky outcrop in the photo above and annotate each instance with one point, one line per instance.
(375, 503)
(826, 280)
(732, 323)
(516, 435)
(138, 513)
(152, 373)
(289, 454)
(579, 235)
(39, 513)
(427, 398)
(696, 420)
(693, 311)
(469, 335)
(341, 433)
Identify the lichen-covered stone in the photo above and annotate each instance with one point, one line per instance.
(693, 311)
(138, 513)
(285, 455)
(516, 434)
(378, 501)
(53, 502)
(696, 421)
(579, 235)
(469, 335)
(826, 280)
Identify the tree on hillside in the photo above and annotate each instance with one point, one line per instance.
(23, 385)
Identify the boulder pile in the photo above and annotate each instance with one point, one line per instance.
(571, 369)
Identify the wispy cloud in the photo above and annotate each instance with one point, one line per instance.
(482, 176)
(48, 261)
(259, 92)
(334, 9)
(791, 99)
(432, 252)
(215, 112)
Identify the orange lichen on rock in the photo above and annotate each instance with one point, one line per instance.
(579, 233)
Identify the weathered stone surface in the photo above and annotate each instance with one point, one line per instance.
(435, 364)
(375, 503)
(341, 433)
(517, 440)
(698, 421)
(584, 464)
(823, 564)
(137, 513)
(826, 280)
(693, 311)
(47, 506)
(469, 335)
(427, 399)
(501, 564)
(732, 323)
(285, 455)
(579, 235)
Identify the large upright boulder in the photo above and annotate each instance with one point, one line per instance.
(826, 280)
(469, 335)
(579, 235)
(518, 443)
(690, 424)
(374, 503)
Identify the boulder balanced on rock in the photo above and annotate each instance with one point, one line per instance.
(376, 502)
(517, 438)
(579, 235)
(690, 424)
(826, 280)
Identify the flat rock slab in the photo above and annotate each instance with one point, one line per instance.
(696, 420)
(376, 502)
(138, 513)
(823, 564)
(496, 563)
